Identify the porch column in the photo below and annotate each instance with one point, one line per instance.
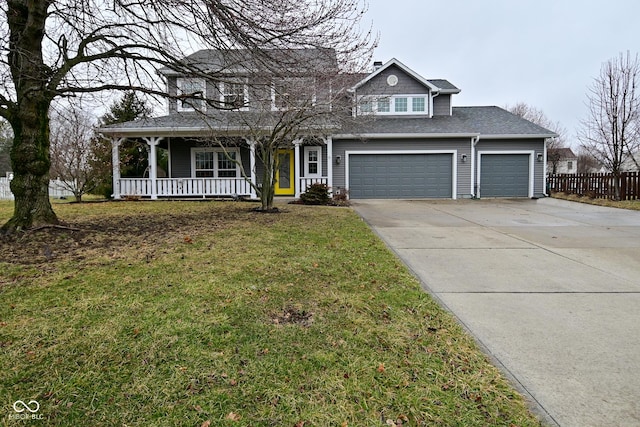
(153, 164)
(296, 166)
(115, 165)
(252, 165)
(328, 141)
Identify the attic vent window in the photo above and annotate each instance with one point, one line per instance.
(392, 80)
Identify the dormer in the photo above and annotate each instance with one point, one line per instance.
(393, 89)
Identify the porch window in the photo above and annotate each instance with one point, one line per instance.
(194, 91)
(215, 163)
(313, 161)
(227, 164)
(204, 164)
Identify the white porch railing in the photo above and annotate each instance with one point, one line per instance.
(184, 187)
(306, 182)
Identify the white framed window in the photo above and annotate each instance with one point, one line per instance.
(312, 161)
(400, 105)
(194, 91)
(207, 162)
(234, 95)
(393, 105)
(418, 104)
(292, 93)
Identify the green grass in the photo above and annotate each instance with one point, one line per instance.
(184, 313)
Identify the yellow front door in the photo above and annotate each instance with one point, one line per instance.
(284, 175)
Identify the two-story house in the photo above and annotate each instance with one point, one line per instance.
(404, 138)
(561, 160)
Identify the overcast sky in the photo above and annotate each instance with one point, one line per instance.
(545, 53)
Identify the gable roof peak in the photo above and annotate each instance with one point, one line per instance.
(433, 85)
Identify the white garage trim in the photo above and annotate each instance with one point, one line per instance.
(530, 153)
(454, 163)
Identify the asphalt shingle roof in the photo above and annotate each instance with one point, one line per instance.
(464, 120)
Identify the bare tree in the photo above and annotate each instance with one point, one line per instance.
(587, 163)
(538, 117)
(301, 103)
(611, 131)
(72, 138)
(64, 47)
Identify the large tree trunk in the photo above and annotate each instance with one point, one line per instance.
(29, 116)
(30, 163)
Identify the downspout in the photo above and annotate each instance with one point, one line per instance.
(474, 183)
(432, 95)
(544, 169)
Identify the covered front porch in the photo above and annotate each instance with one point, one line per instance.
(198, 168)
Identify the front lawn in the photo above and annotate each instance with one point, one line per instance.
(209, 314)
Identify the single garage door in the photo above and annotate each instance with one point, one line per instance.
(400, 176)
(504, 175)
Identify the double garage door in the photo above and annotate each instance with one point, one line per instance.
(400, 176)
(425, 175)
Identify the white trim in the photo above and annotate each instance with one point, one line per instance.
(454, 163)
(328, 141)
(179, 91)
(403, 135)
(530, 153)
(306, 162)
(215, 160)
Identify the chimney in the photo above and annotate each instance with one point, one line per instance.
(377, 65)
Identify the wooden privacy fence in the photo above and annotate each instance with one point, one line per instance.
(597, 185)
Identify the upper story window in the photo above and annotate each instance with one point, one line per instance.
(392, 105)
(291, 93)
(194, 92)
(234, 95)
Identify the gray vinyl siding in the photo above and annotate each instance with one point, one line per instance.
(535, 145)
(181, 157)
(442, 105)
(463, 146)
(406, 84)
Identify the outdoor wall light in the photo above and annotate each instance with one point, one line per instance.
(463, 158)
(539, 157)
(338, 159)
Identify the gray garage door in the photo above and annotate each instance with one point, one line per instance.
(504, 175)
(400, 176)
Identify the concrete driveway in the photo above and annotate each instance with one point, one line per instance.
(550, 289)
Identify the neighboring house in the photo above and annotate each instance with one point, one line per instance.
(561, 160)
(406, 140)
(631, 164)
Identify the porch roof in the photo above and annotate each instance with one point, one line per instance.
(199, 124)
